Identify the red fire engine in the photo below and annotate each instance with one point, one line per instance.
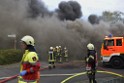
(112, 51)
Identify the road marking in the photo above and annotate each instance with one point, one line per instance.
(71, 75)
(74, 74)
(46, 75)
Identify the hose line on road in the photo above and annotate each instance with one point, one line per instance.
(107, 72)
(5, 79)
(71, 75)
(15, 76)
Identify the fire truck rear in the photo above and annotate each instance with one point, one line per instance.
(112, 51)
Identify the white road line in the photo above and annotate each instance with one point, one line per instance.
(46, 75)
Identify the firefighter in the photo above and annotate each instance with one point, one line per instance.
(91, 61)
(51, 58)
(60, 54)
(30, 65)
(57, 54)
(54, 53)
(65, 54)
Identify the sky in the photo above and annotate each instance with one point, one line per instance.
(90, 6)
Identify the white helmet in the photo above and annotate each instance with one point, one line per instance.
(90, 46)
(57, 46)
(51, 48)
(29, 40)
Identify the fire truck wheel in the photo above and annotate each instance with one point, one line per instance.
(117, 62)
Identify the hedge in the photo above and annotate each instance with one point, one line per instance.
(10, 56)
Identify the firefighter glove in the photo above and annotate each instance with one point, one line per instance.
(22, 73)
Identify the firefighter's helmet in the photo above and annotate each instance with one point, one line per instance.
(57, 47)
(51, 48)
(29, 40)
(90, 46)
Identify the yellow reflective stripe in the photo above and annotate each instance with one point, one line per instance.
(31, 81)
(91, 57)
(87, 59)
(21, 80)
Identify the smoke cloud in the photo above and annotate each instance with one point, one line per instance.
(50, 31)
(66, 10)
(37, 8)
(69, 10)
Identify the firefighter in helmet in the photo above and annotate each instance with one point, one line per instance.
(91, 61)
(30, 65)
(65, 54)
(54, 53)
(58, 54)
(51, 58)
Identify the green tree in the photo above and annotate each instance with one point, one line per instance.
(115, 16)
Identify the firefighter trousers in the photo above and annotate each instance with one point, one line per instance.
(51, 65)
(91, 76)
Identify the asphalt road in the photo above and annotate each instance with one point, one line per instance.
(56, 75)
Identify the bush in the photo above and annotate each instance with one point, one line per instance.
(10, 56)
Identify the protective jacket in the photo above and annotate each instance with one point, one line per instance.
(51, 57)
(30, 63)
(91, 59)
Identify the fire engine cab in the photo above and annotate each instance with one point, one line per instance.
(112, 51)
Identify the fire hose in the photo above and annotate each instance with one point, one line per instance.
(15, 76)
(83, 73)
(5, 79)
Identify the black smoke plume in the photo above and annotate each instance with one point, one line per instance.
(37, 8)
(93, 19)
(66, 10)
(69, 10)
